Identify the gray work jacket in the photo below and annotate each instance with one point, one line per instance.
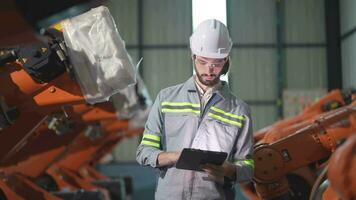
(176, 121)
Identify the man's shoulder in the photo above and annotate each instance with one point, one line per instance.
(233, 99)
(238, 102)
(171, 89)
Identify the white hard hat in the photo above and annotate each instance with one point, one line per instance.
(211, 39)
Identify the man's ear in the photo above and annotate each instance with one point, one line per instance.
(226, 67)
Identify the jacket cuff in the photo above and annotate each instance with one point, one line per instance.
(153, 158)
(244, 173)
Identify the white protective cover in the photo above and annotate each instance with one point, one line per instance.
(128, 106)
(101, 63)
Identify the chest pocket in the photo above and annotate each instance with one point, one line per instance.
(176, 124)
(223, 127)
(179, 129)
(221, 135)
(177, 115)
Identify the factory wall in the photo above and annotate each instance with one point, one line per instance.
(278, 46)
(165, 32)
(348, 42)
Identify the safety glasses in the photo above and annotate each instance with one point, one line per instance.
(218, 63)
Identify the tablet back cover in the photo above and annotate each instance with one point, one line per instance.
(191, 159)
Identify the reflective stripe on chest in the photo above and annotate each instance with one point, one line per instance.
(180, 107)
(213, 112)
(226, 117)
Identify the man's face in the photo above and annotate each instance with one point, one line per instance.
(208, 70)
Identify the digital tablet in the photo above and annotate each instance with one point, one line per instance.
(191, 159)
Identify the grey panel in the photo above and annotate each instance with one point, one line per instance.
(163, 68)
(296, 100)
(253, 21)
(304, 21)
(125, 16)
(263, 116)
(348, 48)
(253, 74)
(305, 68)
(167, 21)
(347, 15)
(134, 55)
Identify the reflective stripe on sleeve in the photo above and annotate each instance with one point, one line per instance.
(149, 143)
(151, 140)
(152, 137)
(249, 162)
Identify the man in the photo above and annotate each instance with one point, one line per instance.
(201, 114)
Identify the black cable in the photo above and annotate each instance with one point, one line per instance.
(7, 57)
(321, 178)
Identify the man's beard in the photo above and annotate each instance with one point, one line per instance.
(208, 83)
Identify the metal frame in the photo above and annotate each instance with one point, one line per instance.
(333, 50)
(280, 56)
(140, 33)
(348, 34)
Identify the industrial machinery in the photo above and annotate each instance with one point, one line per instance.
(292, 155)
(50, 136)
(341, 172)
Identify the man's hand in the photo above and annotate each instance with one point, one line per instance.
(218, 172)
(167, 158)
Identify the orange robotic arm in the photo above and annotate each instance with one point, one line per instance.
(311, 143)
(341, 170)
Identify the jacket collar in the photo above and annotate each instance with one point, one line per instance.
(223, 91)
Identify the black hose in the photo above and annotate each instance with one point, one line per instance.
(321, 178)
(7, 57)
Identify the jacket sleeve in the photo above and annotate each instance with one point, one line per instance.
(244, 149)
(151, 145)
